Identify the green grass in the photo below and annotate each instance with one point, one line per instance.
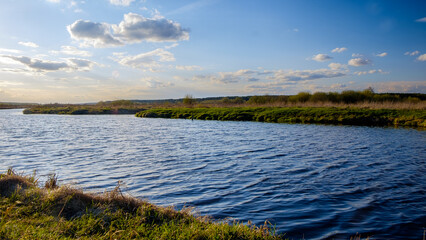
(320, 115)
(28, 211)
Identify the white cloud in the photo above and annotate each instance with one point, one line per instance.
(270, 77)
(370, 72)
(136, 28)
(336, 66)
(133, 29)
(171, 46)
(189, 68)
(422, 57)
(357, 62)
(357, 55)
(73, 51)
(338, 86)
(155, 83)
(292, 80)
(321, 57)
(54, 1)
(339, 50)
(28, 44)
(5, 50)
(306, 75)
(147, 61)
(38, 65)
(421, 19)
(384, 54)
(81, 64)
(400, 87)
(414, 53)
(121, 2)
(242, 75)
(94, 34)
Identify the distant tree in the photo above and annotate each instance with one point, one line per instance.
(225, 100)
(300, 97)
(238, 100)
(188, 100)
(319, 97)
(121, 103)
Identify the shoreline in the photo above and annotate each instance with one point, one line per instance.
(304, 115)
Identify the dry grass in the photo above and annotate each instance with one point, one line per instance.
(367, 105)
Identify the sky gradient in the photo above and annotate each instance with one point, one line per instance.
(73, 51)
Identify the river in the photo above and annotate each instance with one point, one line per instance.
(309, 181)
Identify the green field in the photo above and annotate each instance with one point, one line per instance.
(29, 211)
(320, 115)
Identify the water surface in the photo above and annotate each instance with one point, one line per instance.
(311, 181)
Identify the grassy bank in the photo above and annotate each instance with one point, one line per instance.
(31, 212)
(321, 115)
(83, 109)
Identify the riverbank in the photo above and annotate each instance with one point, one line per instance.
(52, 212)
(319, 115)
(83, 110)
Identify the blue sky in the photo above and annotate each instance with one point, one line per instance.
(74, 51)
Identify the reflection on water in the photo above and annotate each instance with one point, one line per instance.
(311, 181)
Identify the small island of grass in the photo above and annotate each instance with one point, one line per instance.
(321, 115)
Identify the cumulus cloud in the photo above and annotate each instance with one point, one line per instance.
(28, 44)
(305, 75)
(39, 65)
(422, 57)
(94, 34)
(136, 28)
(73, 51)
(147, 61)
(339, 50)
(357, 62)
(414, 53)
(121, 2)
(370, 72)
(321, 57)
(133, 29)
(81, 64)
(384, 54)
(270, 77)
(421, 19)
(336, 66)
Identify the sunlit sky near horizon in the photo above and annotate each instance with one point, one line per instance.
(74, 51)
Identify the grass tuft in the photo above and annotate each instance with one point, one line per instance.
(28, 211)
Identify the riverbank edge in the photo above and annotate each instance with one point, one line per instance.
(83, 110)
(306, 115)
(29, 211)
